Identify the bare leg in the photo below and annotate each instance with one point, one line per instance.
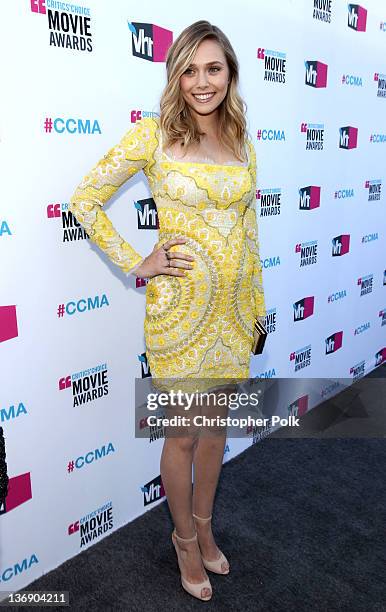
(207, 461)
(176, 474)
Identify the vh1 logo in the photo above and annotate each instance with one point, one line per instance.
(304, 308)
(380, 357)
(357, 17)
(348, 137)
(145, 368)
(152, 491)
(309, 197)
(334, 342)
(147, 217)
(340, 245)
(149, 41)
(316, 73)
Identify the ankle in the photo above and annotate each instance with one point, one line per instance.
(186, 538)
(202, 526)
(202, 518)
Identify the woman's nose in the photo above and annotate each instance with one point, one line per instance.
(202, 79)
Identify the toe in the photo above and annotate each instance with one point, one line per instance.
(205, 592)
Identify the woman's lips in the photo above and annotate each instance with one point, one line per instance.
(206, 99)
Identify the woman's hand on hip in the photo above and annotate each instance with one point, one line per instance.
(163, 261)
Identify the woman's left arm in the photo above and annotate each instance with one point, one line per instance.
(253, 238)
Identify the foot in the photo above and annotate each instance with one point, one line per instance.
(191, 566)
(208, 546)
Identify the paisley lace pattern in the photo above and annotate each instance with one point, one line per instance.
(199, 326)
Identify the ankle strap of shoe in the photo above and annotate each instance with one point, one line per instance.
(200, 518)
(185, 539)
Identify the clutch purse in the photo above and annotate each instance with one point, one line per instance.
(259, 337)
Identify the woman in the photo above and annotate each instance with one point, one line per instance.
(205, 278)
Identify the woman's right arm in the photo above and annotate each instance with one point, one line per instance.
(120, 163)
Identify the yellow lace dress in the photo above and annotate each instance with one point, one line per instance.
(200, 326)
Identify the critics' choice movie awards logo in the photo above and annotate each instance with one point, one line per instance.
(72, 230)
(358, 370)
(70, 28)
(274, 64)
(270, 321)
(153, 432)
(322, 10)
(381, 80)
(94, 525)
(382, 316)
(149, 41)
(301, 358)
(308, 252)
(87, 385)
(270, 201)
(365, 283)
(314, 135)
(374, 189)
(259, 432)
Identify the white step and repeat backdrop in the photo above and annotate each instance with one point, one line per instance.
(75, 77)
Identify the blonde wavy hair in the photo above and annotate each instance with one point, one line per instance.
(176, 121)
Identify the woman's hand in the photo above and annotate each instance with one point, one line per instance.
(163, 261)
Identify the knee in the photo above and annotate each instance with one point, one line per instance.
(187, 444)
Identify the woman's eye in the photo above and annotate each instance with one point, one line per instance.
(215, 68)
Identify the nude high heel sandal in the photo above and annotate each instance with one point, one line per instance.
(214, 566)
(194, 589)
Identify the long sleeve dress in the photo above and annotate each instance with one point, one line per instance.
(200, 326)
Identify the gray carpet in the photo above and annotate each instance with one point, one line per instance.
(302, 522)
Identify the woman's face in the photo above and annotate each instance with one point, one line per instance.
(207, 74)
